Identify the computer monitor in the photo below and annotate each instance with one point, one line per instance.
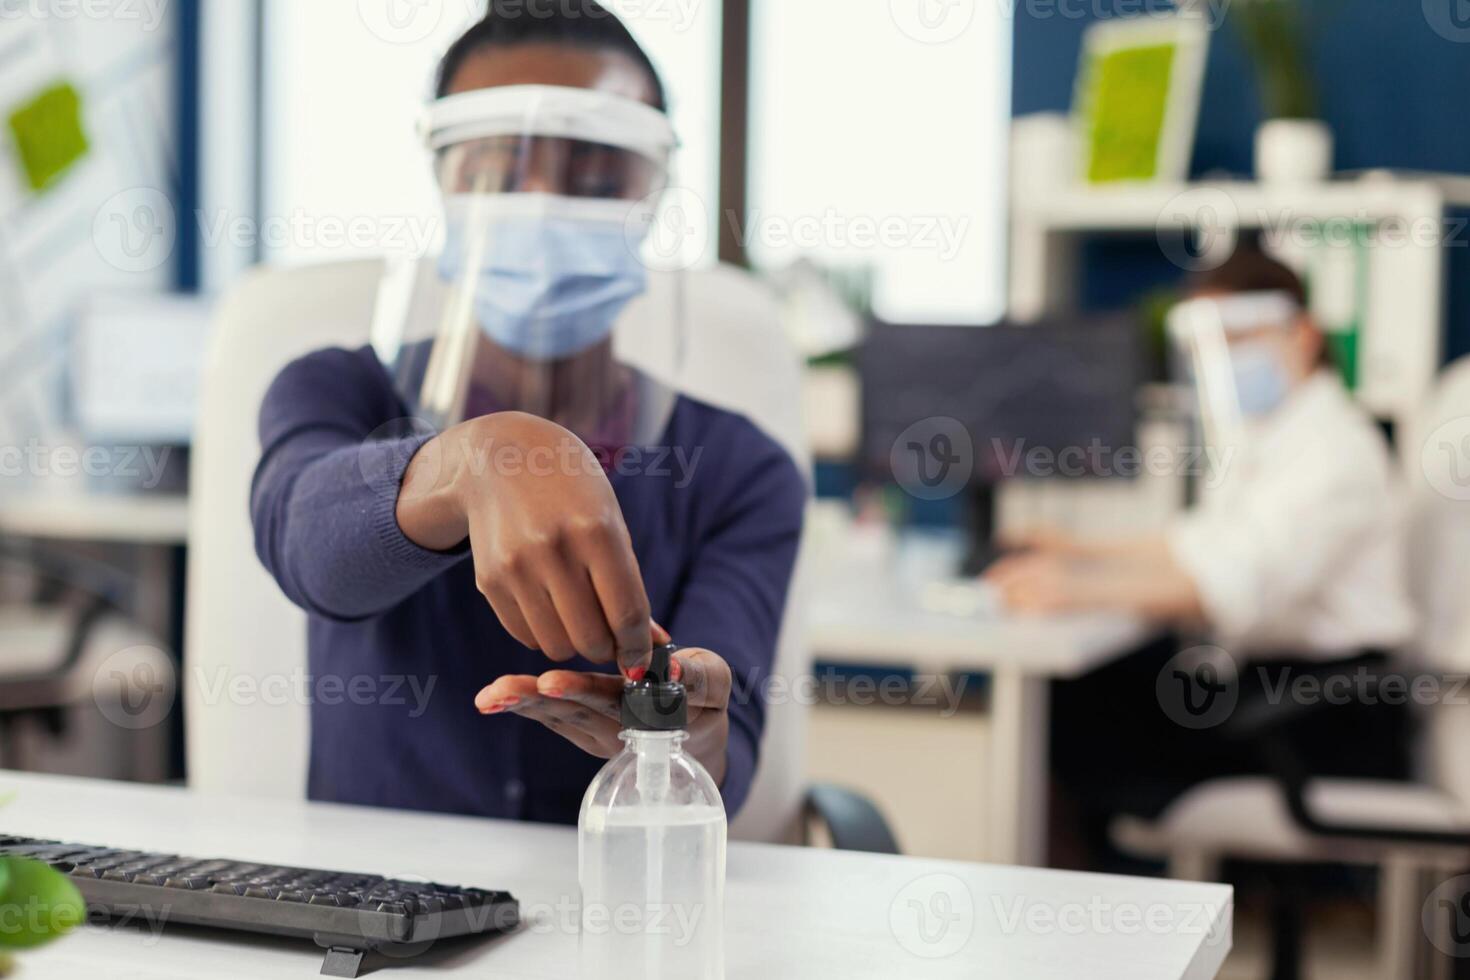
(1056, 398)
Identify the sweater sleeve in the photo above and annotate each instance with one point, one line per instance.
(334, 450)
(735, 593)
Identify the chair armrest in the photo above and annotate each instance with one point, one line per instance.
(1266, 723)
(852, 820)
(1258, 717)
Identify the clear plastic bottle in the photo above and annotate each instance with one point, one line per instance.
(651, 848)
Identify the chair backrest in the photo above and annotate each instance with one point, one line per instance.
(1436, 454)
(247, 725)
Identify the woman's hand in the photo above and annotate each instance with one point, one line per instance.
(1039, 582)
(584, 708)
(552, 554)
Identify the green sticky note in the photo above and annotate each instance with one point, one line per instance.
(1128, 104)
(48, 133)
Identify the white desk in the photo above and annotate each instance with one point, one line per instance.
(145, 519)
(791, 912)
(866, 619)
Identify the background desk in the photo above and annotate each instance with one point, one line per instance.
(865, 619)
(791, 912)
(143, 519)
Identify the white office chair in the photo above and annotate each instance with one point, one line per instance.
(246, 645)
(1411, 831)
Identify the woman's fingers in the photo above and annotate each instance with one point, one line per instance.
(504, 693)
(599, 693)
(706, 678)
(580, 611)
(619, 586)
(582, 708)
(503, 604)
(540, 612)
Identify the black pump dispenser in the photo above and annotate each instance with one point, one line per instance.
(656, 703)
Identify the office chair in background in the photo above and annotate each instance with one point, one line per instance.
(84, 690)
(1417, 834)
(238, 622)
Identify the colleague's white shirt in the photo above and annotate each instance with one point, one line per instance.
(1297, 549)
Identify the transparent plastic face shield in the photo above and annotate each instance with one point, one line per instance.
(1201, 330)
(540, 299)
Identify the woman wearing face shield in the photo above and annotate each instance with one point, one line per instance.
(463, 503)
(1291, 560)
(1294, 543)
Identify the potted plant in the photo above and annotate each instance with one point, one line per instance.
(37, 905)
(1293, 145)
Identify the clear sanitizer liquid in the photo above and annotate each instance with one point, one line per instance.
(651, 851)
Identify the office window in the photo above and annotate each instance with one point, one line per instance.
(344, 83)
(879, 139)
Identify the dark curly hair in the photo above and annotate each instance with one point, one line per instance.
(572, 23)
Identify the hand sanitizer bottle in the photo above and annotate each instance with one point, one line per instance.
(651, 847)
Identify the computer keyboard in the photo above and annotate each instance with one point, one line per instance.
(347, 914)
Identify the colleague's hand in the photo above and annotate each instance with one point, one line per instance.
(585, 708)
(1042, 539)
(552, 554)
(1040, 582)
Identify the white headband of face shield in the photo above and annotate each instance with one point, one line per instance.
(1238, 313)
(549, 110)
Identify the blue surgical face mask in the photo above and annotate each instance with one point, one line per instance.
(555, 272)
(1262, 382)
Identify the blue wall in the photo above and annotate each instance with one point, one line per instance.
(1392, 88)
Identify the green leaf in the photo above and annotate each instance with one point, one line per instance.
(37, 904)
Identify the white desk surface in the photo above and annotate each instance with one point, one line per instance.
(154, 519)
(791, 912)
(876, 624)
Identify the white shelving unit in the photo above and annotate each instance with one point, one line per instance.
(1400, 344)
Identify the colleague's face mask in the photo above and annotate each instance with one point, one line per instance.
(553, 273)
(1262, 382)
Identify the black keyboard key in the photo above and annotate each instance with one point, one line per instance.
(188, 883)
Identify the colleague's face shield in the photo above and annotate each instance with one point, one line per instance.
(540, 298)
(1215, 337)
